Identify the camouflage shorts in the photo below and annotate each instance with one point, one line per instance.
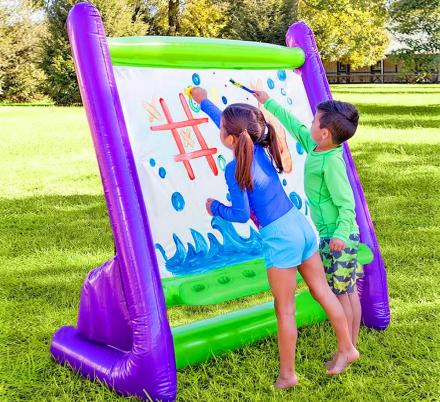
(341, 267)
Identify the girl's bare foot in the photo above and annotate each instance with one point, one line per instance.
(284, 383)
(330, 363)
(341, 361)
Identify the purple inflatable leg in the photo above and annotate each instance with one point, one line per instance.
(122, 302)
(373, 287)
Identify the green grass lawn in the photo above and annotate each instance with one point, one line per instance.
(54, 229)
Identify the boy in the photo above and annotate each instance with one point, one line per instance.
(330, 195)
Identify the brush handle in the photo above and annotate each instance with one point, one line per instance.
(237, 84)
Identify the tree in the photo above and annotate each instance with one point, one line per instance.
(203, 18)
(350, 31)
(183, 18)
(20, 33)
(415, 24)
(260, 20)
(61, 84)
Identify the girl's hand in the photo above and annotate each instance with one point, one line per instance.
(336, 244)
(261, 96)
(209, 201)
(199, 94)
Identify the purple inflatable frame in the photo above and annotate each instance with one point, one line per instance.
(123, 337)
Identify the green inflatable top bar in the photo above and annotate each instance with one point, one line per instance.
(202, 53)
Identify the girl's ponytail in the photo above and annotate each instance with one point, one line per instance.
(244, 155)
(274, 147)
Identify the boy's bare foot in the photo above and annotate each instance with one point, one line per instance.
(341, 361)
(284, 383)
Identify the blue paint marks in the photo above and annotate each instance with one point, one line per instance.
(284, 182)
(289, 101)
(228, 197)
(221, 162)
(224, 100)
(307, 207)
(270, 83)
(178, 201)
(283, 92)
(162, 172)
(196, 79)
(195, 107)
(152, 162)
(299, 148)
(282, 75)
(296, 199)
(203, 256)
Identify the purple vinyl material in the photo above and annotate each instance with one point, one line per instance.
(373, 287)
(122, 302)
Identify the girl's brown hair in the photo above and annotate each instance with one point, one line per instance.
(248, 125)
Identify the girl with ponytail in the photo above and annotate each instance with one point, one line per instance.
(289, 242)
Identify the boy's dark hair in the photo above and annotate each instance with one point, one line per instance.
(340, 118)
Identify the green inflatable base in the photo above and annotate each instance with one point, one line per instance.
(199, 341)
(228, 283)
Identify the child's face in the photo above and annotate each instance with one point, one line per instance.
(226, 139)
(321, 136)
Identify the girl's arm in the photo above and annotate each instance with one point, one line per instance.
(200, 95)
(239, 211)
(212, 111)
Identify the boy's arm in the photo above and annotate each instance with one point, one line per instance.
(292, 124)
(240, 210)
(212, 111)
(336, 179)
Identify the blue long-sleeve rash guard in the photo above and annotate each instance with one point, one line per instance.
(268, 199)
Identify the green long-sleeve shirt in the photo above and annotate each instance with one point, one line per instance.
(325, 180)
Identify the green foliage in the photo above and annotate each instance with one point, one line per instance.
(203, 18)
(416, 25)
(56, 61)
(20, 33)
(260, 20)
(350, 31)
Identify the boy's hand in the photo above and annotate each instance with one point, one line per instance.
(209, 201)
(261, 96)
(199, 94)
(336, 244)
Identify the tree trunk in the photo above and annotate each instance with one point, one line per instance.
(173, 17)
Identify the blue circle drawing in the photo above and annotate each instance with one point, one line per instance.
(228, 197)
(196, 79)
(178, 201)
(194, 105)
(162, 172)
(270, 83)
(289, 101)
(152, 162)
(284, 182)
(282, 75)
(221, 162)
(296, 199)
(299, 148)
(283, 92)
(224, 100)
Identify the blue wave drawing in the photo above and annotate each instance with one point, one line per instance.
(202, 257)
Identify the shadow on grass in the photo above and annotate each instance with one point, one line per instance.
(379, 115)
(49, 243)
(59, 223)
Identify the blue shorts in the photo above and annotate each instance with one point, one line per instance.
(288, 241)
